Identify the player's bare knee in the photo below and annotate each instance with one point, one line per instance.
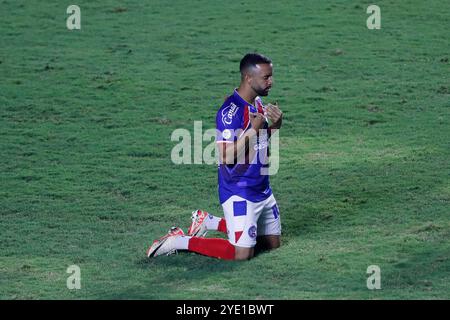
(242, 254)
(243, 258)
(268, 242)
(275, 243)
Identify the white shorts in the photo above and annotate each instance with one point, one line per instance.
(246, 220)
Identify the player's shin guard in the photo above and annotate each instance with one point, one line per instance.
(212, 247)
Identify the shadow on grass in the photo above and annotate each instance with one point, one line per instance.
(167, 277)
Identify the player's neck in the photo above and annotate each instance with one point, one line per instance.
(247, 94)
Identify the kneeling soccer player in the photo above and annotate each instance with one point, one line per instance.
(252, 217)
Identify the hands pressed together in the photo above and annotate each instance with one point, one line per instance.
(273, 113)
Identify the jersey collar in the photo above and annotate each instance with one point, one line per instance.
(242, 101)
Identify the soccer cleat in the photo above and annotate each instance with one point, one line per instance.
(198, 225)
(166, 244)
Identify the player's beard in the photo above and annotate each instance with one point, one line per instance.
(262, 92)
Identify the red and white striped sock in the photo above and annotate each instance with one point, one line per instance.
(222, 227)
(216, 224)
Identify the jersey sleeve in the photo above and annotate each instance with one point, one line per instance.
(228, 123)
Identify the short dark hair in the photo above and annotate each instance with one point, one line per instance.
(251, 60)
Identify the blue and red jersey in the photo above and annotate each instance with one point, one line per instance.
(242, 179)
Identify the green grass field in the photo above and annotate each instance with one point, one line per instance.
(87, 179)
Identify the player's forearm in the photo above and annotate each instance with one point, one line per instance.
(236, 151)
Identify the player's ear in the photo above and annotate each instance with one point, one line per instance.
(248, 78)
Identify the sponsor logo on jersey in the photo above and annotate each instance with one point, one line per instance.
(261, 145)
(263, 141)
(228, 113)
(226, 134)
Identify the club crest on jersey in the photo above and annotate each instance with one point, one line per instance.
(228, 113)
(252, 232)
